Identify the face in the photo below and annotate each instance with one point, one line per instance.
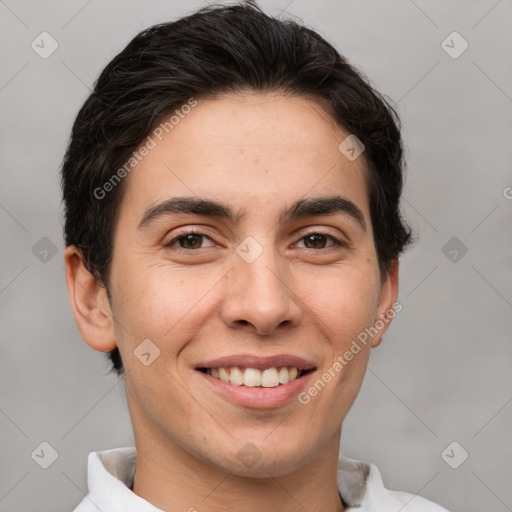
(248, 313)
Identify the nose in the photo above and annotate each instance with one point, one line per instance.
(259, 295)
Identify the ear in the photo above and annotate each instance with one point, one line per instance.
(388, 305)
(90, 303)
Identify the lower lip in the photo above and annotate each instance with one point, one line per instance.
(258, 397)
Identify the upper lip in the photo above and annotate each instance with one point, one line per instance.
(258, 362)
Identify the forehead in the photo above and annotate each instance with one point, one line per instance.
(263, 150)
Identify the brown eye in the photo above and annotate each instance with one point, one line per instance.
(319, 241)
(190, 241)
(316, 241)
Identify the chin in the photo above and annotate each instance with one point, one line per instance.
(265, 459)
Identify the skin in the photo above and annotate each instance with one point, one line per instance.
(257, 152)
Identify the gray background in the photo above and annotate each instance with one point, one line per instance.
(443, 372)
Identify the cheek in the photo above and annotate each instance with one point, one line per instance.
(344, 303)
(162, 304)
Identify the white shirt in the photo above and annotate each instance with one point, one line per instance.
(111, 472)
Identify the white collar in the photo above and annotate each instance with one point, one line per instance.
(110, 476)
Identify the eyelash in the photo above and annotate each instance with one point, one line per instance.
(184, 234)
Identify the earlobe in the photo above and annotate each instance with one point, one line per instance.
(387, 303)
(89, 302)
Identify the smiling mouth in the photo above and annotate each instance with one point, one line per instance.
(253, 377)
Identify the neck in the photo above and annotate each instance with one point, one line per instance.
(172, 479)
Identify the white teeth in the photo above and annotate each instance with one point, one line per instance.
(223, 374)
(236, 376)
(269, 378)
(284, 375)
(252, 377)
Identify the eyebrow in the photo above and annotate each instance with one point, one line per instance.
(302, 208)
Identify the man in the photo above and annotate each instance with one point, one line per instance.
(231, 194)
